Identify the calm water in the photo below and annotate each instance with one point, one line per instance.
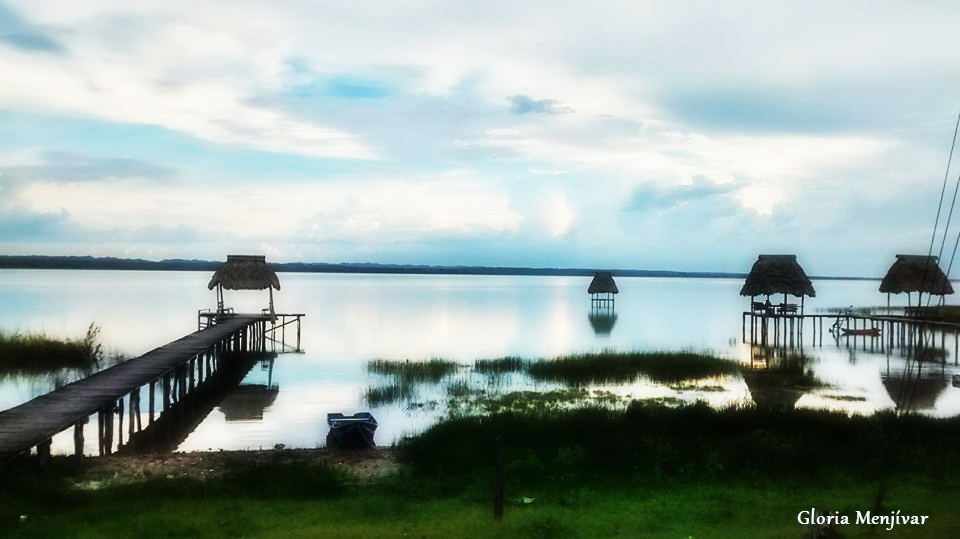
(351, 319)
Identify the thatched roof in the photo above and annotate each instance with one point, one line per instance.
(916, 273)
(777, 274)
(245, 272)
(603, 283)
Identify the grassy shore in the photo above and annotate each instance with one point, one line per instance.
(645, 471)
(38, 352)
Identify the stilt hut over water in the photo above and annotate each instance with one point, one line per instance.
(915, 273)
(244, 272)
(602, 289)
(777, 274)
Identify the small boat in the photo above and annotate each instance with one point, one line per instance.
(869, 332)
(351, 431)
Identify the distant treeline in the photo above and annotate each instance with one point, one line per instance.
(112, 263)
(177, 264)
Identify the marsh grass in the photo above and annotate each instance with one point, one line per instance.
(500, 366)
(387, 394)
(37, 353)
(406, 372)
(625, 367)
(406, 377)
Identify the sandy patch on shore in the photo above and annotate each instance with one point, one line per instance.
(365, 463)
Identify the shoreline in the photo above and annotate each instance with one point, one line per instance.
(369, 463)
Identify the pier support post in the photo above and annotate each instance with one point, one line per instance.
(78, 441)
(135, 412)
(152, 399)
(43, 451)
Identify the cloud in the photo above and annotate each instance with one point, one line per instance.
(20, 34)
(61, 166)
(521, 104)
(651, 196)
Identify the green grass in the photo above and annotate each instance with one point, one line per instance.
(625, 367)
(647, 471)
(40, 353)
(689, 509)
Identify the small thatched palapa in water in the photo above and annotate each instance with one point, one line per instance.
(915, 273)
(778, 274)
(602, 288)
(603, 283)
(244, 272)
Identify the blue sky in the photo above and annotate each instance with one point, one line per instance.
(652, 135)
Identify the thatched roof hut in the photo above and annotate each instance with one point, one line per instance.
(916, 273)
(603, 283)
(601, 290)
(244, 272)
(777, 274)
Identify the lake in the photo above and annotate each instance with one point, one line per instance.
(352, 319)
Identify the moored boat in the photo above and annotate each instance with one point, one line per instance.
(869, 332)
(351, 431)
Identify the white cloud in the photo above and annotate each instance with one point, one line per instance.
(374, 211)
(797, 110)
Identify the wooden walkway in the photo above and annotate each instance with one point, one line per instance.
(788, 329)
(35, 422)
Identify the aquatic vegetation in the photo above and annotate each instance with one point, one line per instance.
(501, 365)
(388, 394)
(687, 385)
(40, 353)
(432, 370)
(625, 367)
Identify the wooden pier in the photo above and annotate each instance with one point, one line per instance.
(869, 332)
(169, 373)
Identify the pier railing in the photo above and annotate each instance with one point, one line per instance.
(865, 331)
(275, 332)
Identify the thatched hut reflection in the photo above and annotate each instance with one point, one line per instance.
(778, 377)
(602, 321)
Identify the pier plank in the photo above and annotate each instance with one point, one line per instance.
(31, 423)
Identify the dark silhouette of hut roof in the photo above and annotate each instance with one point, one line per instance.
(777, 274)
(915, 394)
(916, 273)
(603, 283)
(245, 272)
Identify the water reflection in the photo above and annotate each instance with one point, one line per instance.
(778, 377)
(602, 321)
(174, 425)
(251, 397)
(352, 319)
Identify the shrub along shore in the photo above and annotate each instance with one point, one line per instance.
(645, 470)
(37, 352)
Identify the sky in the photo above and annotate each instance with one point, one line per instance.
(674, 135)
